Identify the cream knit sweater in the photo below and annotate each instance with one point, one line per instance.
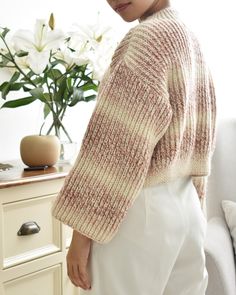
(154, 121)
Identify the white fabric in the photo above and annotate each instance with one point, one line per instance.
(229, 208)
(159, 248)
(219, 258)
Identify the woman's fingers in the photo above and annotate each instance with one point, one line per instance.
(70, 274)
(77, 268)
(84, 276)
(76, 276)
(73, 274)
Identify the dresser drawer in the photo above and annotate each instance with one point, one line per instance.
(42, 232)
(46, 281)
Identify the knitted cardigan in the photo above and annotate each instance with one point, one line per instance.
(153, 121)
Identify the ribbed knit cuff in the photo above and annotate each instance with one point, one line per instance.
(96, 219)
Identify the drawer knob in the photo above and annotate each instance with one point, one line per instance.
(28, 228)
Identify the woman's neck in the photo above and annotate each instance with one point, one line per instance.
(155, 7)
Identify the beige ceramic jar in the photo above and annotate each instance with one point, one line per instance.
(40, 150)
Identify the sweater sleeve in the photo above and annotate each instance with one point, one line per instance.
(129, 118)
(200, 183)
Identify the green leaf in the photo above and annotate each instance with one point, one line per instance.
(26, 89)
(30, 74)
(88, 86)
(47, 96)
(18, 102)
(22, 53)
(54, 74)
(69, 85)
(16, 86)
(38, 80)
(46, 111)
(78, 95)
(3, 85)
(5, 90)
(38, 94)
(15, 77)
(5, 31)
(60, 93)
(90, 97)
(86, 78)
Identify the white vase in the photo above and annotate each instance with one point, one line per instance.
(40, 150)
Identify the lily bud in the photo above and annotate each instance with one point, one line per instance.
(99, 38)
(51, 21)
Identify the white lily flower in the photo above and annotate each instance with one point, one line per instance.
(42, 38)
(81, 58)
(80, 49)
(38, 44)
(100, 59)
(99, 42)
(93, 34)
(3, 48)
(78, 57)
(65, 54)
(21, 61)
(38, 60)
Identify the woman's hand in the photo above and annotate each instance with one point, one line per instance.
(77, 260)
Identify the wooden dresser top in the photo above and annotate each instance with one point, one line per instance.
(17, 176)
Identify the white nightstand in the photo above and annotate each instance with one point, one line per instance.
(33, 244)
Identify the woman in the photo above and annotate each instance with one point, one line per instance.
(132, 196)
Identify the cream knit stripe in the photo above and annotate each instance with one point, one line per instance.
(173, 135)
(121, 48)
(149, 52)
(97, 154)
(195, 166)
(151, 45)
(141, 62)
(203, 105)
(159, 34)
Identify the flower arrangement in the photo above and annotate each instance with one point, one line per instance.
(59, 69)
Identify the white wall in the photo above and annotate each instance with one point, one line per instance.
(213, 22)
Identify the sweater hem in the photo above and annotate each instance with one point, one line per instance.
(180, 168)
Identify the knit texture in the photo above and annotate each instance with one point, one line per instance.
(154, 121)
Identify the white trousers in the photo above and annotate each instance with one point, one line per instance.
(159, 248)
